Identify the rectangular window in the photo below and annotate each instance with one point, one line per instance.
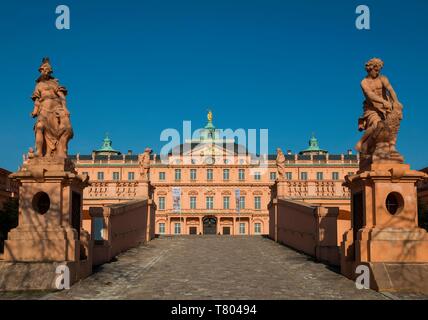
(100, 175)
(209, 174)
(320, 176)
(257, 228)
(177, 174)
(131, 176)
(257, 203)
(161, 203)
(225, 174)
(273, 176)
(192, 174)
(241, 202)
(98, 228)
(161, 175)
(257, 176)
(161, 228)
(210, 202)
(288, 176)
(242, 228)
(192, 202)
(241, 174)
(303, 176)
(177, 228)
(115, 175)
(226, 202)
(335, 175)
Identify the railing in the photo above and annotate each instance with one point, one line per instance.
(316, 189)
(115, 189)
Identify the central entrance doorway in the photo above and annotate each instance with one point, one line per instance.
(210, 225)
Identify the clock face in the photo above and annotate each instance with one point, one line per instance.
(209, 160)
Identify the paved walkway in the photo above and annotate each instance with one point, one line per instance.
(214, 267)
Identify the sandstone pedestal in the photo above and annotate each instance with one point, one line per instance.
(49, 229)
(385, 234)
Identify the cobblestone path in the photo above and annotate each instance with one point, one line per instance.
(214, 267)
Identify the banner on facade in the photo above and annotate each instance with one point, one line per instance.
(238, 199)
(176, 199)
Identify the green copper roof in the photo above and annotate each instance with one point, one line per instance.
(107, 145)
(313, 145)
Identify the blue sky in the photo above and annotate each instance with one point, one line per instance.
(134, 68)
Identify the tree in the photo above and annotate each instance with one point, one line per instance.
(8, 219)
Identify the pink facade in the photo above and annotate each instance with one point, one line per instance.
(209, 172)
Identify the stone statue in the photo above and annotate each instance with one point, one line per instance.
(381, 118)
(144, 163)
(280, 164)
(52, 129)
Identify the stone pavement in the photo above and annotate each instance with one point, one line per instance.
(213, 267)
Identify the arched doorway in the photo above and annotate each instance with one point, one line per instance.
(210, 225)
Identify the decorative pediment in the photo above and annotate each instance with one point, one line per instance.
(193, 193)
(226, 193)
(162, 193)
(257, 193)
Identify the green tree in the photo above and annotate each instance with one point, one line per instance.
(8, 219)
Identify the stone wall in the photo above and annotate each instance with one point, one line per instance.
(314, 230)
(117, 228)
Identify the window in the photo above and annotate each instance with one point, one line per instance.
(335, 175)
(192, 202)
(257, 228)
(320, 176)
(131, 176)
(241, 174)
(303, 176)
(288, 175)
(242, 228)
(177, 174)
(162, 228)
(115, 175)
(210, 202)
(192, 174)
(161, 203)
(226, 202)
(257, 176)
(161, 175)
(225, 174)
(100, 175)
(257, 203)
(350, 173)
(242, 202)
(177, 228)
(209, 174)
(98, 228)
(273, 176)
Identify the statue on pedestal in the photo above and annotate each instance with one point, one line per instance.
(381, 118)
(280, 164)
(144, 163)
(52, 129)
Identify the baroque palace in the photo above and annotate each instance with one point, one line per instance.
(214, 186)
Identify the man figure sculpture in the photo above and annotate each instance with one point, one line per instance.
(381, 117)
(53, 128)
(280, 163)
